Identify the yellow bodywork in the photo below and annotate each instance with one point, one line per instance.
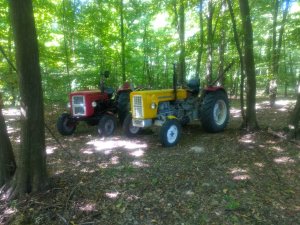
(150, 100)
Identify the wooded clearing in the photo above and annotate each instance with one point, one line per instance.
(150, 87)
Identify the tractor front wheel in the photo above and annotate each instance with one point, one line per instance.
(128, 129)
(170, 133)
(65, 124)
(215, 111)
(107, 125)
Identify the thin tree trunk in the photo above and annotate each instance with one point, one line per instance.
(201, 41)
(181, 29)
(251, 122)
(240, 53)
(209, 63)
(123, 58)
(31, 173)
(277, 45)
(7, 159)
(295, 117)
(222, 47)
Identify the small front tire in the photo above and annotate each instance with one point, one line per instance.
(128, 129)
(107, 125)
(65, 124)
(170, 133)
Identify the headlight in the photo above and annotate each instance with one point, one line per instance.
(94, 104)
(68, 105)
(153, 105)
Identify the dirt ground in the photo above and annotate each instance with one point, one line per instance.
(231, 177)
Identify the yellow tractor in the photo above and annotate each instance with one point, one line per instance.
(172, 108)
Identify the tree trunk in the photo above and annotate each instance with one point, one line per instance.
(201, 41)
(7, 159)
(123, 58)
(209, 63)
(277, 45)
(295, 118)
(251, 122)
(222, 47)
(240, 53)
(181, 30)
(31, 162)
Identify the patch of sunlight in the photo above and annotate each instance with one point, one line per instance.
(284, 160)
(85, 170)
(283, 109)
(112, 195)
(277, 149)
(88, 207)
(109, 144)
(235, 113)
(260, 165)
(87, 151)
(139, 164)
(50, 150)
(138, 153)
(285, 102)
(240, 174)
(11, 112)
(10, 130)
(248, 138)
(115, 160)
(58, 172)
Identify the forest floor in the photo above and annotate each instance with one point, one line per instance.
(231, 177)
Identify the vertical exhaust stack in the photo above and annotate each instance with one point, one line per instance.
(174, 82)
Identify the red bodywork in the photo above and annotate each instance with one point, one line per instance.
(89, 96)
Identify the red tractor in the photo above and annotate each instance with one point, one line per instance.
(96, 107)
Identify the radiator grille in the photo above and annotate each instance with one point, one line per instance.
(78, 105)
(138, 107)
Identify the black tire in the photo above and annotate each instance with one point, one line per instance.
(123, 101)
(215, 111)
(128, 129)
(66, 125)
(170, 133)
(107, 125)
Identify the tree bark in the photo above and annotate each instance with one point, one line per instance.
(209, 63)
(277, 43)
(181, 30)
(123, 58)
(31, 173)
(251, 121)
(201, 41)
(295, 118)
(7, 159)
(240, 53)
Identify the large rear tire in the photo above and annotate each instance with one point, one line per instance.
(107, 125)
(170, 133)
(128, 129)
(215, 111)
(65, 124)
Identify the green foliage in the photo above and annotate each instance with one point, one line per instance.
(79, 39)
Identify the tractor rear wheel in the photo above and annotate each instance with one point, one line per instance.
(128, 129)
(170, 133)
(107, 125)
(65, 124)
(215, 111)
